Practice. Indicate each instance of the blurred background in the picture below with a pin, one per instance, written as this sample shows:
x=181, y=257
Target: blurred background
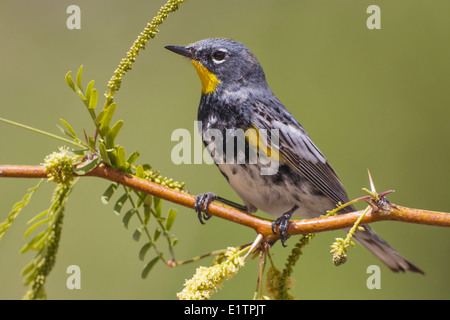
x=376, y=99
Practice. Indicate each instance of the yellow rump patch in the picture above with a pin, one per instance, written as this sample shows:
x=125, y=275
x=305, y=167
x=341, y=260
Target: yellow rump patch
x=259, y=142
x=208, y=79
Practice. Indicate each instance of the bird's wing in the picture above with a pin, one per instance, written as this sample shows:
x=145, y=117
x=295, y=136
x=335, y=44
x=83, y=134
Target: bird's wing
x=296, y=148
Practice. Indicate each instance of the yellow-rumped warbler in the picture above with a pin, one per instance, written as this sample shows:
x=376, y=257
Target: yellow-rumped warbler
x=235, y=96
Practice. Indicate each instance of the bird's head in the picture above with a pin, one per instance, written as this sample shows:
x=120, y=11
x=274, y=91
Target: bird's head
x=222, y=64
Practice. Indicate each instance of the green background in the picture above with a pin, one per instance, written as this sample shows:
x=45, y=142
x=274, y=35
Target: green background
x=376, y=99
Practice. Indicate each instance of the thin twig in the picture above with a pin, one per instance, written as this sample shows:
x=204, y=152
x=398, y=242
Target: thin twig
x=387, y=210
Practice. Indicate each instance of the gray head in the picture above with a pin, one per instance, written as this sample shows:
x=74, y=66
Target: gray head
x=222, y=64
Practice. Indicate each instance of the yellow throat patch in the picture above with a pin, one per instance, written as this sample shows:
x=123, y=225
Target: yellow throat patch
x=208, y=79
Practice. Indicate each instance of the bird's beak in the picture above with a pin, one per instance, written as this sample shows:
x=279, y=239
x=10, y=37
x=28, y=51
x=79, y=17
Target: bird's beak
x=181, y=51
x=208, y=79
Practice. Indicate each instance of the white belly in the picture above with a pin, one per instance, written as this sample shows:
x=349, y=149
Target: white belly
x=274, y=199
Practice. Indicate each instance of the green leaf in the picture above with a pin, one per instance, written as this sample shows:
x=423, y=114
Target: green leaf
x=17, y=208
x=137, y=233
x=31, y=275
x=127, y=216
x=104, y=153
x=82, y=152
x=35, y=243
x=64, y=132
x=148, y=200
x=149, y=267
x=156, y=234
x=115, y=130
x=91, y=165
x=139, y=171
x=93, y=99
x=77, y=89
x=121, y=161
x=113, y=157
x=28, y=268
x=80, y=94
x=69, y=81
x=91, y=142
x=34, y=226
x=106, y=121
x=89, y=88
x=67, y=125
x=37, y=217
x=99, y=118
x=79, y=74
x=109, y=192
x=119, y=203
x=109, y=142
x=147, y=208
x=170, y=218
x=144, y=250
x=157, y=206
x=40, y=241
x=133, y=157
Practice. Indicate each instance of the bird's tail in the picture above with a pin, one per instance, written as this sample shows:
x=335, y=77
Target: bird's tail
x=384, y=252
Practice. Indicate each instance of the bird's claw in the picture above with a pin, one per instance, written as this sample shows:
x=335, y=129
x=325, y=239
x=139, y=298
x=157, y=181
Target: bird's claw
x=201, y=205
x=282, y=225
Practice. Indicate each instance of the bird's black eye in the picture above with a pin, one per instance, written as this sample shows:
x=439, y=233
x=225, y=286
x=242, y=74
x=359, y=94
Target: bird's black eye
x=219, y=56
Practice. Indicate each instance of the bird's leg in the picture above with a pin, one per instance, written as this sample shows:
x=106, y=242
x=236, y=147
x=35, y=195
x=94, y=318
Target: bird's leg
x=282, y=224
x=203, y=200
x=235, y=205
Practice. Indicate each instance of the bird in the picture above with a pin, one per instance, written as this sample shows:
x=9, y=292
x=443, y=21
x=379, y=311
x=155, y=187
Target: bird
x=235, y=97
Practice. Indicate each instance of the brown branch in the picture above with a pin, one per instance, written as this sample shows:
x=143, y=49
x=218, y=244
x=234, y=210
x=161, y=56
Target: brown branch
x=384, y=209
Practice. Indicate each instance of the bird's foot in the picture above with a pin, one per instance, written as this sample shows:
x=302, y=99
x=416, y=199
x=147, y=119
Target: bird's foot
x=282, y=224
x=202, y=202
